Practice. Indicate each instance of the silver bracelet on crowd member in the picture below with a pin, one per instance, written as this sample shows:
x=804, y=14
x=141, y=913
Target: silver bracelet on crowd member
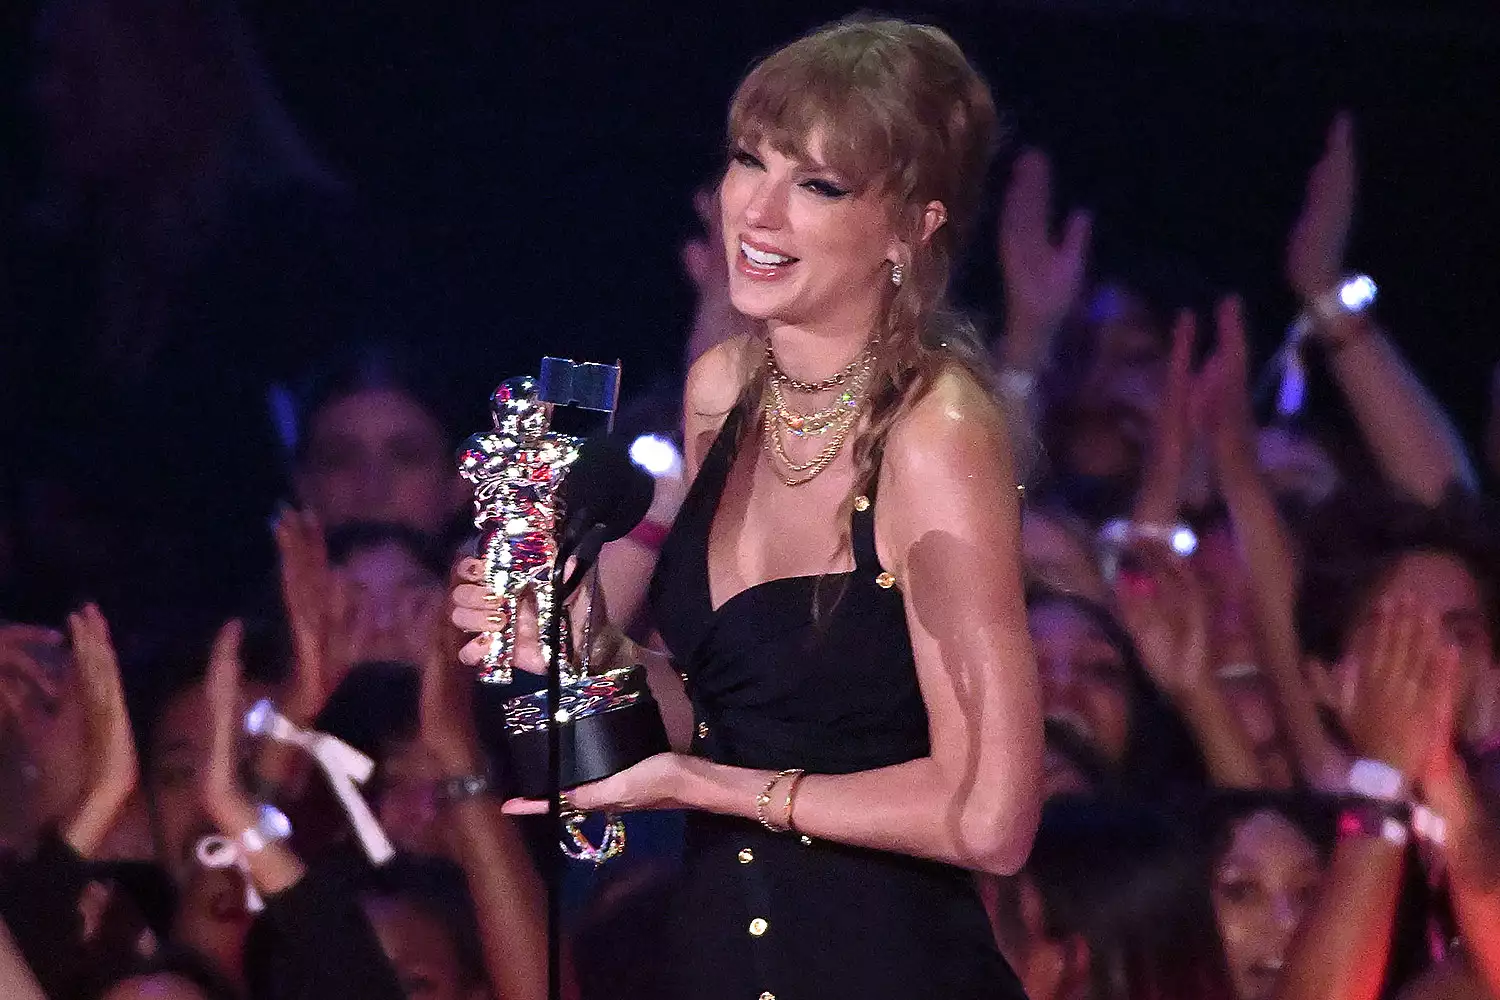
x=452, y=791
x=1354, y=295
x=1375, y=779
x=1382, y=785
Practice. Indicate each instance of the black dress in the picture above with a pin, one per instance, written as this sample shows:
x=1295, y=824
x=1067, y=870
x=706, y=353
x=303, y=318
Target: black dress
x=762, y=915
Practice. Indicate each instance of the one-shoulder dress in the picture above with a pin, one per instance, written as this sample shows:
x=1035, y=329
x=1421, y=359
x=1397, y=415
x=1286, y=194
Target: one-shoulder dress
x=763, y=916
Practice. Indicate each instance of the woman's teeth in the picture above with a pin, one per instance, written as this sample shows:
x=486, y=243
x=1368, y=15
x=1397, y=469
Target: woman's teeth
x=764, y=257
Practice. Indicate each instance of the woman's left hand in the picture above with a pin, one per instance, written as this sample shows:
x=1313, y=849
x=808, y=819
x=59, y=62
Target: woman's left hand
x=655, y=783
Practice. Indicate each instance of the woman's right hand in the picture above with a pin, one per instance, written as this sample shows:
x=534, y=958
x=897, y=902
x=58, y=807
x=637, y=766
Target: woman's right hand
x=475, y=609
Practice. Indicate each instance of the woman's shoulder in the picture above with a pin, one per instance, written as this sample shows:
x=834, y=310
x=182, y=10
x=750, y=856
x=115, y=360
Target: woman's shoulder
x=713, y=387
x=956, y=422
x=715, y=380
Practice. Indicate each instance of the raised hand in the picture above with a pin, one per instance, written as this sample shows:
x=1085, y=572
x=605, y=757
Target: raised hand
x=111, y=741
x=1043, y=279
x=1161, y=485
x=447, y=701
x=1315, y=248
x=1403, y=677
x=220, y=783
x=323, y=629
x=1220, y=406
x=114, y=769
x=1162, y=605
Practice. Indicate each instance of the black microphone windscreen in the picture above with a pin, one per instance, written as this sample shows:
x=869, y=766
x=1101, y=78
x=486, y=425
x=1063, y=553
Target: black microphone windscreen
x=605, y=486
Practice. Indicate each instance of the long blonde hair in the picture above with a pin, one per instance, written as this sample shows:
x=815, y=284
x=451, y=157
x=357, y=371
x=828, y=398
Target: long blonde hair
x=903, y=114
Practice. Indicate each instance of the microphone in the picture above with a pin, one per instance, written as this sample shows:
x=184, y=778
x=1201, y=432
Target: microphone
x=604, y=495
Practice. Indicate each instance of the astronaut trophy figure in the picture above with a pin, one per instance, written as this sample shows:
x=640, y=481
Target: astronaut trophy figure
x=515, y=471
x=594, y=723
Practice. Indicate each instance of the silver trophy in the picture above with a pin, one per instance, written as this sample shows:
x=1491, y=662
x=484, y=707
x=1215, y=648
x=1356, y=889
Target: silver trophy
x=606, y=721
x=515, y=471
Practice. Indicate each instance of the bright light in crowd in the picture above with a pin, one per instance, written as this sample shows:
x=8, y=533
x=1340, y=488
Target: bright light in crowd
x=656, y=455
x=1184, y=542
x=1358, y=292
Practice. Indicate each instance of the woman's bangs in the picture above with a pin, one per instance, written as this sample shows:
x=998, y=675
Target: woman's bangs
x=784, y=107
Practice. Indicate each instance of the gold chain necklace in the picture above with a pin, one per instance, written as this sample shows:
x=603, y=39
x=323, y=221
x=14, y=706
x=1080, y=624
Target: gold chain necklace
x=801, y=473
x=839, y=416
x=831, y=382
x=805, y=472
x=818, y=422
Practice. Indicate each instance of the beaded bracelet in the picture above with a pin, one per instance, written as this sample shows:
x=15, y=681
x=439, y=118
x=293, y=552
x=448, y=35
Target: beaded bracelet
x=791, y=801
x=764, y=799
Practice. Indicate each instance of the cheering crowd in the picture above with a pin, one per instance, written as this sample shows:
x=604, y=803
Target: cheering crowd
x=1266, y=629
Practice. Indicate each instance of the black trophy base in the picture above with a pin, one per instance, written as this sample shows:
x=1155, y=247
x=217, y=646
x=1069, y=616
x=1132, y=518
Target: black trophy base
x=593, y=746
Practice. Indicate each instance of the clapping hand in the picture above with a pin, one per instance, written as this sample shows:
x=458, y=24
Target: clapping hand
x=114, y=770
x=1043, y=278
x=1162, y=605
x=1403, y=672
x=319, y=616
x=1315, y=248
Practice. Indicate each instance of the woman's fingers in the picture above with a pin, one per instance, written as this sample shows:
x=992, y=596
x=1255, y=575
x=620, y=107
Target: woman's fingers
x=223, y=680
x=474, y=596
x=524, y=807
x=478, y=620
x=474, y=651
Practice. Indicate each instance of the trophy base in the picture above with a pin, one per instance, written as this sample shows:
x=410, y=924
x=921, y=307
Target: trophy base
x=611, y=722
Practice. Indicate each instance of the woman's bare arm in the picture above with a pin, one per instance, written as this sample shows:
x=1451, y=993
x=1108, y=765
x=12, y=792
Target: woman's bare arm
x=948, y=525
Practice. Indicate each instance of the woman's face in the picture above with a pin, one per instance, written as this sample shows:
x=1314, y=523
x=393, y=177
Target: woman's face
x=390, y=590
x=180, y=742
x=1111, y=378
x=803, y=248
x=419, y=948
x=376, y=455
x=1085, y=683
x=1261, y=887
x=1445, y=585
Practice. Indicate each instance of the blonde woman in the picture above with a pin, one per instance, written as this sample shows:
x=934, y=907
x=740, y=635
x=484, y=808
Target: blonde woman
x=841, y=590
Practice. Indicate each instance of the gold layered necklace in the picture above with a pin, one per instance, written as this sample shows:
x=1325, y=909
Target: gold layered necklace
x=836, y=419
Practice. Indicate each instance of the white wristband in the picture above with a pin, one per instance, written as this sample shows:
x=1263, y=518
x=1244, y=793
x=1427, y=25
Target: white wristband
x=1376, y=779
x=217, y=851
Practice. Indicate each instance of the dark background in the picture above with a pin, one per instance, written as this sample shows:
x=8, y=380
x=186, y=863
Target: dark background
x=534, y=163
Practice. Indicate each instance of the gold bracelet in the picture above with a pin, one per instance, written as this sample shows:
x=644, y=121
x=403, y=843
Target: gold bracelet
x=791, y=800
x=764, y=799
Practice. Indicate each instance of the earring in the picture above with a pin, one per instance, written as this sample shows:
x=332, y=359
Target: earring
x=898, y=273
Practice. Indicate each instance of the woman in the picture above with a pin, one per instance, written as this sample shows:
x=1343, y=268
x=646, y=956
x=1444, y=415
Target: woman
x=1095, y=685
x=880, y=646
x=1110, y=907
x=1269, y=854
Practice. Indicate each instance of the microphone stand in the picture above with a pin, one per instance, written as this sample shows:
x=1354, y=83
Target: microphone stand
x=554, y=788
x=562, y=587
